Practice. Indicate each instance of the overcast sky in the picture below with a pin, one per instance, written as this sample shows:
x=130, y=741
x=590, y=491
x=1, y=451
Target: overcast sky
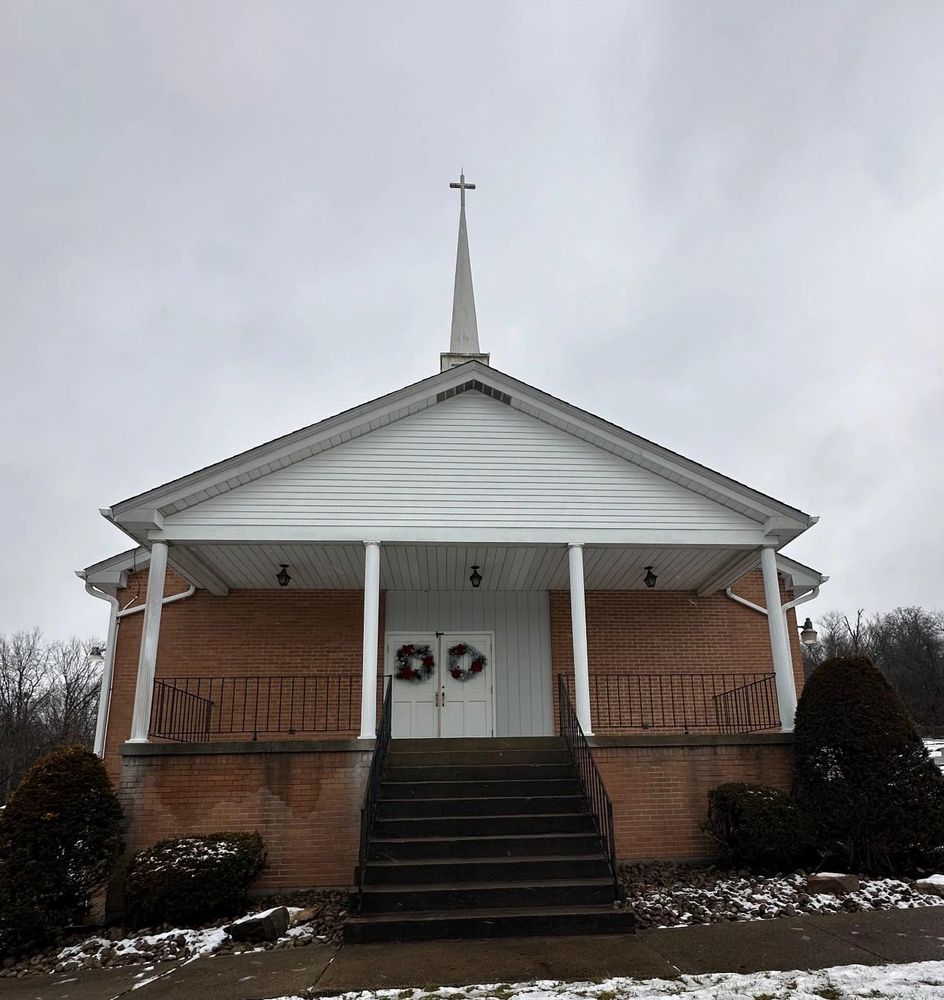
x=720, y=225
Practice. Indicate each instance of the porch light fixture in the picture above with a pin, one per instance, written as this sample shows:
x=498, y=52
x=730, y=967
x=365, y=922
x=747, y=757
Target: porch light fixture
x=808, y=634
x=96, y=654
x=282, y=575
x=476, y=578
x=650, y=578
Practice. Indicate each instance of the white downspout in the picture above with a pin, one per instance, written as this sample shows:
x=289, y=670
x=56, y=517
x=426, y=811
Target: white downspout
x=108, y=669
x=802, y=599
x=111, y=644
x=189, y=592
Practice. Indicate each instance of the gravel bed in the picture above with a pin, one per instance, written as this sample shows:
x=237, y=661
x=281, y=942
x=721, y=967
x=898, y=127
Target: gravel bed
x=674, y=895
x=324, y=914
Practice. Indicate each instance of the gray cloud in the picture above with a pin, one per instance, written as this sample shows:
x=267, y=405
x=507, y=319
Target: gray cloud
x=719, y=225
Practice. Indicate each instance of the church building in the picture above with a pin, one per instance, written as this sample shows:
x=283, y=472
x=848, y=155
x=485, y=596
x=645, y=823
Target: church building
x=467, y=704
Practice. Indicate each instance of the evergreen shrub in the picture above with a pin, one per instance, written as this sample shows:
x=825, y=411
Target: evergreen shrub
x=60, y=837
x=192, y=879
x=757, y=826
x=862, y=774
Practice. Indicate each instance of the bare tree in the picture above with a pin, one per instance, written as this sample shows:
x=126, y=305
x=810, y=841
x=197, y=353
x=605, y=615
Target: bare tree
x=48, y=698
x=906, y=644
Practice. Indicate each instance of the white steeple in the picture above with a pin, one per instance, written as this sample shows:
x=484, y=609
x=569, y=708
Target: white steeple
x=464, y=340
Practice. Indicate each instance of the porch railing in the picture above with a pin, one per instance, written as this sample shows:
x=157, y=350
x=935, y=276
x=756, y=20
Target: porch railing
x=179, y=715
x=593, y=788
x=197, y=709
x=750, y=708
x=372, y=792
x=683, y=702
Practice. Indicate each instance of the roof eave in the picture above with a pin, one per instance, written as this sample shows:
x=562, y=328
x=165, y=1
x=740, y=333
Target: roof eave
x=143, y=512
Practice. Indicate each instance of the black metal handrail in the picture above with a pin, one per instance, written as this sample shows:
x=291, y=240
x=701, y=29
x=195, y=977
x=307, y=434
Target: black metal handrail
x=257, y=706
x=593, y=788
x=372, y=792
x=179, y=715
x=749, y=708
x=669, y=701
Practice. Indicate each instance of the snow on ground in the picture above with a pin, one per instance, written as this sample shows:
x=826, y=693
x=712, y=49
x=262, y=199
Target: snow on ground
x=179, y=943
x=668, y=895
x=915, y=981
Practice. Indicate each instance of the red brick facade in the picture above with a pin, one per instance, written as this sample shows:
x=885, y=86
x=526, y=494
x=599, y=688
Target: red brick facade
x=669, y=632
x=258, y=632
x=660, y=793
x=306, y=802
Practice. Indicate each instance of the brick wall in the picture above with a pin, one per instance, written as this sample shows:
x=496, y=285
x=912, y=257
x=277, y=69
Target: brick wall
x=644, y=632
x=258, y=632
x=306, y=804
x=660, y=793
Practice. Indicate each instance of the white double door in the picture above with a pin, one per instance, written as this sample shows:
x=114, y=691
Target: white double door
x=441, y=705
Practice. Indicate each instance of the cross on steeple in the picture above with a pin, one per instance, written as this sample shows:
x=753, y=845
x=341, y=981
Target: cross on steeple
x=464, y=338
x=463, y=187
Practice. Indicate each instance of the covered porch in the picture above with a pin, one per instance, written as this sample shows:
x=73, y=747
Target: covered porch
x=649, y=639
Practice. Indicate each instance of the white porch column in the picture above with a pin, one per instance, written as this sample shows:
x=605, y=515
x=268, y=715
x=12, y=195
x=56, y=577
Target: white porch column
x=578, y=628
x=371, y=626
x=150, y=633
x=779, y=641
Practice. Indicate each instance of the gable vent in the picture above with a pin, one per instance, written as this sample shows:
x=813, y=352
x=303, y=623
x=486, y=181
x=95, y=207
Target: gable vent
x=474, y=384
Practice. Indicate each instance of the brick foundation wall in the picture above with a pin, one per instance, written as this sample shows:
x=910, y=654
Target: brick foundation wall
x=306, y=804
x=660, y=793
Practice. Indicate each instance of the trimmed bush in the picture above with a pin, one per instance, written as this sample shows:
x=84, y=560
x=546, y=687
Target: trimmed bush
x=191, y=879
x=862, y=775
x=60, y=836
x=756, y=826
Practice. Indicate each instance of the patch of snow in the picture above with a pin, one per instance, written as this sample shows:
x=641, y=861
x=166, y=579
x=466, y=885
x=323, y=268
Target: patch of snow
x=914, y=981
x=263, y=913
x=934, y=879
x=734, y=897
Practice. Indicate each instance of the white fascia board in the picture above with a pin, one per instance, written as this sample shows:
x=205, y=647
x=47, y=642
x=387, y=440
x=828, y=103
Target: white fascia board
x=307, y=441
x=126, y=561
x=286, y=534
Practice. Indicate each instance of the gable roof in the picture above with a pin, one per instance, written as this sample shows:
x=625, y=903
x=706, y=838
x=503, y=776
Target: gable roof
x=148, y=509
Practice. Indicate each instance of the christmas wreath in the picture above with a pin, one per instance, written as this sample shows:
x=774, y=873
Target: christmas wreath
x=414, y=663
x=476, y=661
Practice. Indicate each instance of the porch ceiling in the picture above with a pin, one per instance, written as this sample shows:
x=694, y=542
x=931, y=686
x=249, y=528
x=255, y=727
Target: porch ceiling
x=447, y=567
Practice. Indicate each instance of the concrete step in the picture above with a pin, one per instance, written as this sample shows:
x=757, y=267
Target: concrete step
x=486, y=824
x=478, y=789
x=484, y=869
x=511, y=805
x=474, y=895
x=474, y=744
x=501, y=771
x=510, y=846
x=489, y=923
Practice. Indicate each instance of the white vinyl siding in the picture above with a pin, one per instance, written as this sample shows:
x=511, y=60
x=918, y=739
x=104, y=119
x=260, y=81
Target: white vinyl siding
x=468, y=461
x=522, y=655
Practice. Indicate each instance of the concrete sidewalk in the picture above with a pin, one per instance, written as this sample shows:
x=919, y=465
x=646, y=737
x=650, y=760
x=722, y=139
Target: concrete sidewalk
x=754, y=946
